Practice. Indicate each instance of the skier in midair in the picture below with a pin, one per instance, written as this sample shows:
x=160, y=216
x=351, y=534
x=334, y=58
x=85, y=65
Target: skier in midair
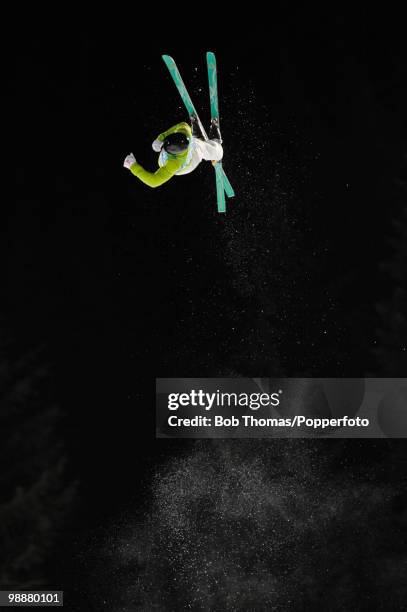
x=181, y=151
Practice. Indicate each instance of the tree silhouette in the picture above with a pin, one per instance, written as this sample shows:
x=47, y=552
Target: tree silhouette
x=391, y=352
x=36, y=493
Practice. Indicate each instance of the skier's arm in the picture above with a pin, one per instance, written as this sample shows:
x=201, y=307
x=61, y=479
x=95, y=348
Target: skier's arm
x=161, y=176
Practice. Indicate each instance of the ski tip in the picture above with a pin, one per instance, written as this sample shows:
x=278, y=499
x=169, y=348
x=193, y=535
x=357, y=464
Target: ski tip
x=167, y=58
x=210, y=55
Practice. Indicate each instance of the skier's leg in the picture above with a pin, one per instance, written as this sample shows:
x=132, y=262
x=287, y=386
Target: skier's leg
x=214, y=131
x=212, y=150
x=196, y=130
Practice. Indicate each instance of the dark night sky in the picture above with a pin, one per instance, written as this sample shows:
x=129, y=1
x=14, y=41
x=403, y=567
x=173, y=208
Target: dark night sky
x=123, y=284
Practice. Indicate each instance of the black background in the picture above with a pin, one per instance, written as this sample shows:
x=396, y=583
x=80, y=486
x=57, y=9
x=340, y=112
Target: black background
x=121, y=284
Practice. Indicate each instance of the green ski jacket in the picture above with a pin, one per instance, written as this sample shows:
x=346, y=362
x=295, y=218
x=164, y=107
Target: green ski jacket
x=172, y=165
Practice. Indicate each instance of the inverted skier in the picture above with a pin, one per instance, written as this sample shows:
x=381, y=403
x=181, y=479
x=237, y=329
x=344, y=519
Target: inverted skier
x=181, y=151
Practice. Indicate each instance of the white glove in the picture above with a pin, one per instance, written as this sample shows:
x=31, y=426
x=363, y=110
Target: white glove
x=157, y=145
x=129, y=161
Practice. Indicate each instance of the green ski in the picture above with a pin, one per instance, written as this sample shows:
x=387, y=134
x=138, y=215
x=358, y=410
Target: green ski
x=182, y=90
x=215, y=127
x=222, y=182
